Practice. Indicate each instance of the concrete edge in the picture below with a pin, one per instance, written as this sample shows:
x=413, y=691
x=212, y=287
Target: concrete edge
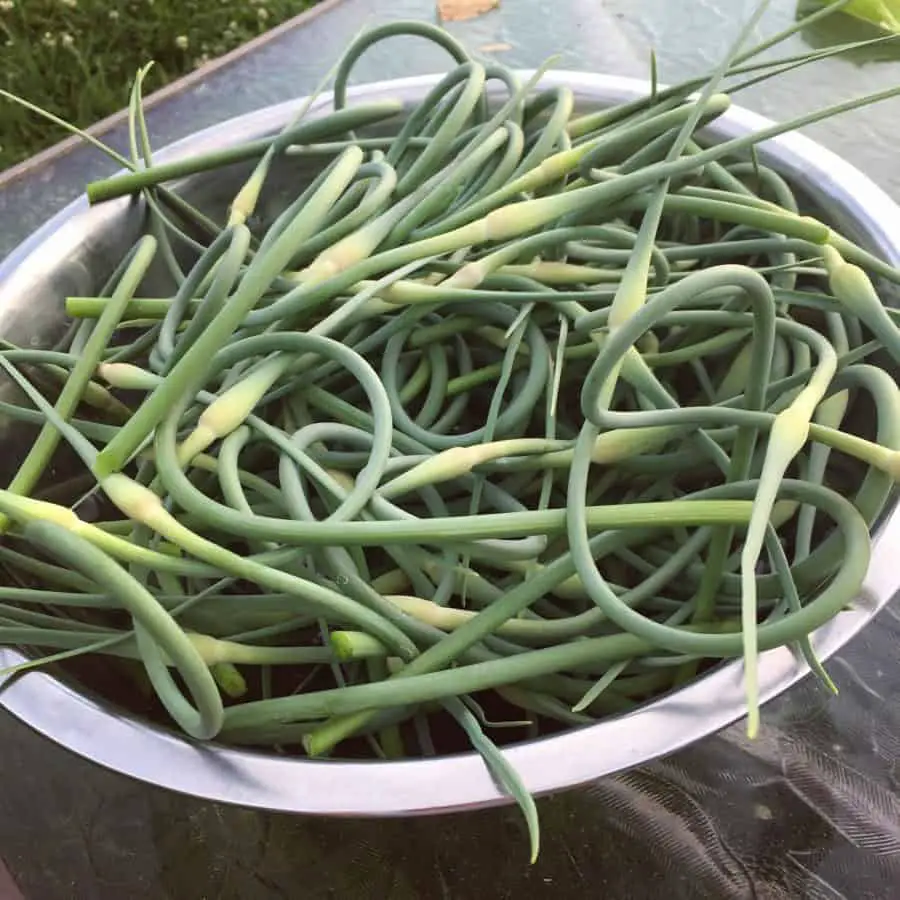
x=55, y=152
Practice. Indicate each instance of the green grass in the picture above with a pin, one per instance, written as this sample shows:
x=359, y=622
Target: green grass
x=77, y=58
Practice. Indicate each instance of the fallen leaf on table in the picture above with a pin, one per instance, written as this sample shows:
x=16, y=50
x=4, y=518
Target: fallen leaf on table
x=883, y=13
x=458, y=10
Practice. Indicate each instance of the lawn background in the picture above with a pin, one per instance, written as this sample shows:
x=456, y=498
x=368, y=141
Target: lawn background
x=77, y=58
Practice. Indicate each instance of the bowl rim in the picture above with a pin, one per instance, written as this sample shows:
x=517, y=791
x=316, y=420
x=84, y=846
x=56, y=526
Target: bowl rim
x=152, y=754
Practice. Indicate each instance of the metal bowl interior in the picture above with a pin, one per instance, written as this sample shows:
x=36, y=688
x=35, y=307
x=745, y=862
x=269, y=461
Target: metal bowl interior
x=72, y=255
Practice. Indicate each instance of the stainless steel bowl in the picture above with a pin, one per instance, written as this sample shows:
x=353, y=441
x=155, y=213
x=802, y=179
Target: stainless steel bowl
x=71, y=255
